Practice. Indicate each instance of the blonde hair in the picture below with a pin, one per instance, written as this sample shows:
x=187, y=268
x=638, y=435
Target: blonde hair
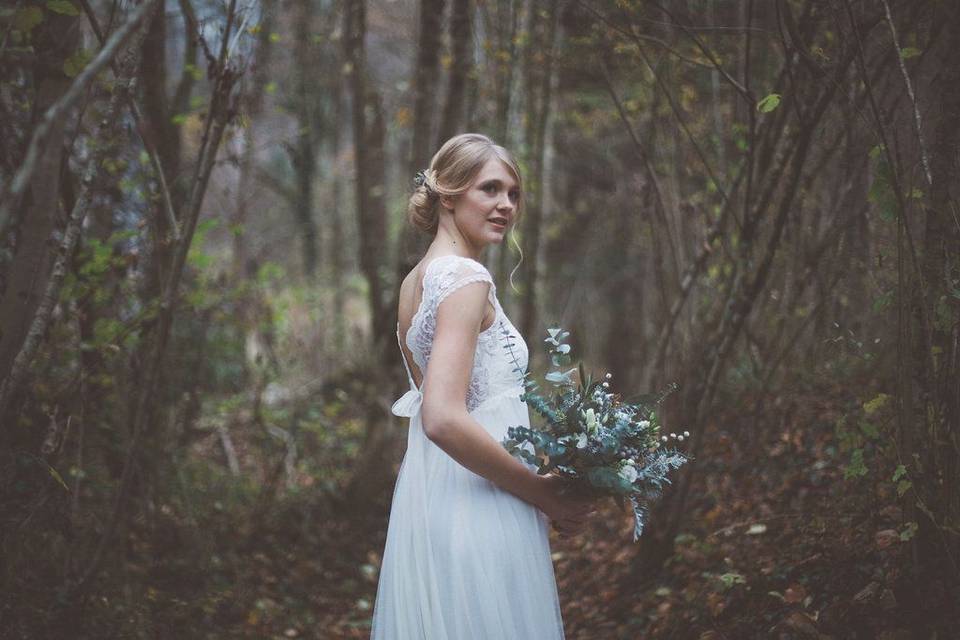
x=451, y=172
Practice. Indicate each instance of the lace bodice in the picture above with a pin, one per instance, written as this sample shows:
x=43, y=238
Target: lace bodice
x=497, y=346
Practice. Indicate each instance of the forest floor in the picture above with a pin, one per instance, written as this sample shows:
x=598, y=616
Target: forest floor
x=776, y=543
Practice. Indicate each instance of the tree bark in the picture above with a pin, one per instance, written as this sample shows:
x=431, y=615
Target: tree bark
x=303, y=153
x=538, y=113
x=24, y=281
x=939, y=386
x=461, y=20
x=253, y=106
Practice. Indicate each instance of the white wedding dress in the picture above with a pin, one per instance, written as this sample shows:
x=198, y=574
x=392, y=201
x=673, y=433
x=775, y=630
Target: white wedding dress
x=464, y=559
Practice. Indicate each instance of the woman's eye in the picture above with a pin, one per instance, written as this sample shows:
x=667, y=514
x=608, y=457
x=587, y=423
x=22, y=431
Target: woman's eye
x=514, y=195
x=489, y=187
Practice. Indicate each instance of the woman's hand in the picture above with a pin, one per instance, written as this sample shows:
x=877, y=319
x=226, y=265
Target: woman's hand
x=567, y=506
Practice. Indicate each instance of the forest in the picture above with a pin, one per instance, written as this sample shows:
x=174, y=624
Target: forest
x=203, y=232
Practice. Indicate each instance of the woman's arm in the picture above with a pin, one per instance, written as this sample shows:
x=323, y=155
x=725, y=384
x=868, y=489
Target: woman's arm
x=445, y=418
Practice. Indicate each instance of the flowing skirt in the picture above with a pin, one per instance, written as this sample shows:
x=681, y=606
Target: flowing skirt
x=464, y=559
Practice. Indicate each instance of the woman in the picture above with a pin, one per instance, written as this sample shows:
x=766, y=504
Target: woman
x=467, y=554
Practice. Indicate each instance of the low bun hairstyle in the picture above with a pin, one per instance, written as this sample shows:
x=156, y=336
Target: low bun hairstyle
x=451, y=172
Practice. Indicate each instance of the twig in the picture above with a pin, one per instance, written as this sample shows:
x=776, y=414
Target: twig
x=660, y=208
x=913, y=97
x=742, y=90
x=141, y=131
x=642, y=36
x=229, y=450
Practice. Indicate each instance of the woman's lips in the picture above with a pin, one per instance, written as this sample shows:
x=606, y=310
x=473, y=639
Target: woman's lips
x=498, y=225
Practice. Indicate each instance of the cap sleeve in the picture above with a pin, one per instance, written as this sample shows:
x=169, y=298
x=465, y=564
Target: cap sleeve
x=450, y=273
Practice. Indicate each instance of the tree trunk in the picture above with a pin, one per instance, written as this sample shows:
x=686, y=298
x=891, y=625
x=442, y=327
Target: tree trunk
x=538, y=113
x=461, y=20
x=254, y=106
x=23, y=282
x=412, y=243
x=369, y=153
x=938, y=407
x=303, y=155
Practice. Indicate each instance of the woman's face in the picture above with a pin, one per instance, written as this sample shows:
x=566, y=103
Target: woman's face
x=487, y=209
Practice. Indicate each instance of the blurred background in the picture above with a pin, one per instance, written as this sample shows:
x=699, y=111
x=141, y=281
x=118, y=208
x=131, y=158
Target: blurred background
x=203, y=233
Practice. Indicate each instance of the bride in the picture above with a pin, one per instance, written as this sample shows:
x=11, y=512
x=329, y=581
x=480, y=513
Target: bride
x=467, y=554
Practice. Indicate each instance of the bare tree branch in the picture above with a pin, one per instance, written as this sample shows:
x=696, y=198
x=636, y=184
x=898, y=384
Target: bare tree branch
x=913, y=98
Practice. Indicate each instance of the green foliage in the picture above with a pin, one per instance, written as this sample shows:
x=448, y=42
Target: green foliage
x=856, y=468
x=730, y=580
x=901, y=481
x=64, y=7
x=76, y=62
x=769, y=103
x=909, y=531
x=909, y=52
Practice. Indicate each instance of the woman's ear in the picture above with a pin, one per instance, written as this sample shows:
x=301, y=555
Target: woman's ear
x=447, y=203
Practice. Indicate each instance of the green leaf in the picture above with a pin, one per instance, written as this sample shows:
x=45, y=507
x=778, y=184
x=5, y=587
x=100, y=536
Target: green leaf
x=903, y=486
x=193, y=70
x=872, y=406
x=909, y=52
x=731, y=579
x=56, y=476
x=76, y=62
x=909, y=531
x=769, y=103
x=900, y=472
x=856, y=468
x=64, y=7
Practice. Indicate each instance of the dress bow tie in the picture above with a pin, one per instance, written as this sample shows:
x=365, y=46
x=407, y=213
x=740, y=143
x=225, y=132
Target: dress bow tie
x=408, y=404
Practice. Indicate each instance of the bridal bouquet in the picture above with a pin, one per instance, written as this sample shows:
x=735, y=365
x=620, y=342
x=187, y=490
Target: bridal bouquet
x=592, y=436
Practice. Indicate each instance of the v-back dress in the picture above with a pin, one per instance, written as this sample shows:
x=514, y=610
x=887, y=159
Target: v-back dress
x=464, y=559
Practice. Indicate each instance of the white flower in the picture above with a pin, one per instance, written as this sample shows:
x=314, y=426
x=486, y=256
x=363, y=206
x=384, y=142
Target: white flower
x=686, y=433
x=664, y=438
x=680, y=438
x=643, y=424
x=582, y=441
x=528, y=446
x=591, y=419
x=628, y=472
x=609, y=375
